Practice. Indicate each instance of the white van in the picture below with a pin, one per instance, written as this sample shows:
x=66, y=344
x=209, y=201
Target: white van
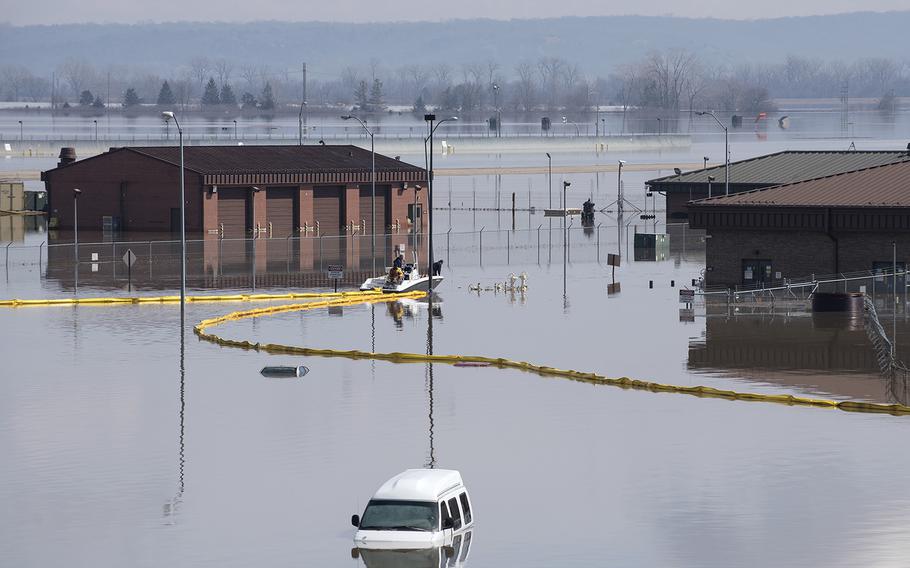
x=418, y=508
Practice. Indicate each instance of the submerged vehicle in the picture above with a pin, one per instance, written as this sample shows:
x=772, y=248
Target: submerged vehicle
x=418, y=508
x=404, y=279
x=454, y=556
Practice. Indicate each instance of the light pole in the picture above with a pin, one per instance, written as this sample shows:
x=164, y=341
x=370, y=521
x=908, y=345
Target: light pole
x=658, y=126
x=372, y=181
x=430, y=118
x=300, y=124
x=710, y=179
x=20, y=133
x=498, y=110
x=76, y=193
x=96, y=130
x=565, y=235
x=705, y=167
x=168, y=115
x=550, y=177
x=726, y=150
x=235, y=129
x=619, y=196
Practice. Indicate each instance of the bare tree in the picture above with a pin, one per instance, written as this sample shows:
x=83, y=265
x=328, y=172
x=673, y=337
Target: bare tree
x=78, y=74
x=200, y=67
x=250, y=73
x=525, y=88
x=223, y=69
x=550, y=69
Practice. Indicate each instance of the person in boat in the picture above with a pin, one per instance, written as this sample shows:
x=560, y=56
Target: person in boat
x=396, y=274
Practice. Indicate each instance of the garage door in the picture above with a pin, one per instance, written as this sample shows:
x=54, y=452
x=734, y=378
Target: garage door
x=328, y=209
x=233, y=212
x=281, y=206
x=382, y=208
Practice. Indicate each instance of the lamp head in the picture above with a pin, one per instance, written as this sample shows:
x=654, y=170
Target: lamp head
x=77, y=192
x=566, y=184
x=322, y=142
x=622, y=162
x=167, y=115
x=701, y=113
x=711, y=178
x=452, y=118
x=677, y=171
x=346, y=117
x=548, y=154
x=429, y=117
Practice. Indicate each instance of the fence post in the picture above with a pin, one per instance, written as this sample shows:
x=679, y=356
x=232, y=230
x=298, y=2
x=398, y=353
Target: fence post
x=254, y=264
x=508, y=249
x=598, y=242
x=481, y=245
x=538, y=244
x=40, y=254
x=448, y=239
x=320, y=251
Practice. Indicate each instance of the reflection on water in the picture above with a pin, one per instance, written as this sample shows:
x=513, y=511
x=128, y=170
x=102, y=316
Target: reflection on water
x=828, y=353
x=454, y=556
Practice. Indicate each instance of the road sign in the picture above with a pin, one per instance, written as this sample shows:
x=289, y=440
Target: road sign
x=686, y=296
x=335, y=275
x=613, y=260
x=129, y=258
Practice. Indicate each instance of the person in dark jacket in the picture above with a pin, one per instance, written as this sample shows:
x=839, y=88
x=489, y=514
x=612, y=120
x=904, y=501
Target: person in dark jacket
x=437, y=268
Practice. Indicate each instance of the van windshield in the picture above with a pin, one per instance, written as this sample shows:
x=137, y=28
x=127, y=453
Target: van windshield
x=389, y=515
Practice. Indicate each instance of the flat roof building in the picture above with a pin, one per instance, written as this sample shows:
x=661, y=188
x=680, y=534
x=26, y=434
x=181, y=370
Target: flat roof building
x=829, y=225
x=785, y=167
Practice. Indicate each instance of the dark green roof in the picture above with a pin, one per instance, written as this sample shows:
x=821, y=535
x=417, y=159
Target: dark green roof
x=789, y=166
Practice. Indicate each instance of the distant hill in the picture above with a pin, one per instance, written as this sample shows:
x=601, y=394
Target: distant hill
x=596, y=44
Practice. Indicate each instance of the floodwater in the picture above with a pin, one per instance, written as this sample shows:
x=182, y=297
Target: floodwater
x=127, y=441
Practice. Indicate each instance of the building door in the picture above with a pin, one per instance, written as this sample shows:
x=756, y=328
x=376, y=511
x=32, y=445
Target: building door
x=383, y=213
x=234, y=212
x=281, y=218
x=756, y=271
x=328, y=211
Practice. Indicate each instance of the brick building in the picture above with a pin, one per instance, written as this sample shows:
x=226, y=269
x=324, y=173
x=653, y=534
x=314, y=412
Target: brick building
x=834, y=224
x=763, y=171
x=235, y=190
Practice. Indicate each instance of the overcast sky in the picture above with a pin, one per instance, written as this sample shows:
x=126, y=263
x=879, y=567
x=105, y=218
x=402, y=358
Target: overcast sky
x=132, y=11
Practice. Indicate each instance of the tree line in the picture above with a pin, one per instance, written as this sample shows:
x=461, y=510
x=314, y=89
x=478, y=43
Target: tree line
x=668, y=80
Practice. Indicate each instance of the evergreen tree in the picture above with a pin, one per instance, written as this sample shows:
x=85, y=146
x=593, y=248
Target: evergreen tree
x=210, y=96
x=361, y=97
x=227, y=95
x=98, y=103
x=86, y=98
x=130, y=98
x=166, y=96
x=420, y=107
x=247, y=100
x=376, y=102
x=268, y=100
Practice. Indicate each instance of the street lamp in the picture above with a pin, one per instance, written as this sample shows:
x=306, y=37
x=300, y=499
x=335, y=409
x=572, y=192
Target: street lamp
x=300, y=124
x=710, y=179
x=20, y=133
x=76, y=193
x=498, y=110
x=658, y=126
x=550, y=177
x=235, y=129
x=372, y=180
x=96, y=130
x=168, y=115
x=430, y=118
x=619, y=196
x=726, y=150
x=565, y=235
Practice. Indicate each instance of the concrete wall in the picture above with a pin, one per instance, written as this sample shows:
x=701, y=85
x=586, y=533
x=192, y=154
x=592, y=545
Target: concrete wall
x=797, y=254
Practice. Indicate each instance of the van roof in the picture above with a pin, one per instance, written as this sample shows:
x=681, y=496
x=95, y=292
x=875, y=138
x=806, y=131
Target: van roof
x=420, y=485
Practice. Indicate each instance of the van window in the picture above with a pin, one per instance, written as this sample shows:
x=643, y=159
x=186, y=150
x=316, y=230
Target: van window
x=466, y=507
x=443, y=512
x=456, y=513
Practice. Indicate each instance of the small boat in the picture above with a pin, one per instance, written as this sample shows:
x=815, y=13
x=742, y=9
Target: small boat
x=411, y=280
x=281, y=372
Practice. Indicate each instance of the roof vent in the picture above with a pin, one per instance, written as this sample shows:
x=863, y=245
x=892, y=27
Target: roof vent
x=67, y=156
